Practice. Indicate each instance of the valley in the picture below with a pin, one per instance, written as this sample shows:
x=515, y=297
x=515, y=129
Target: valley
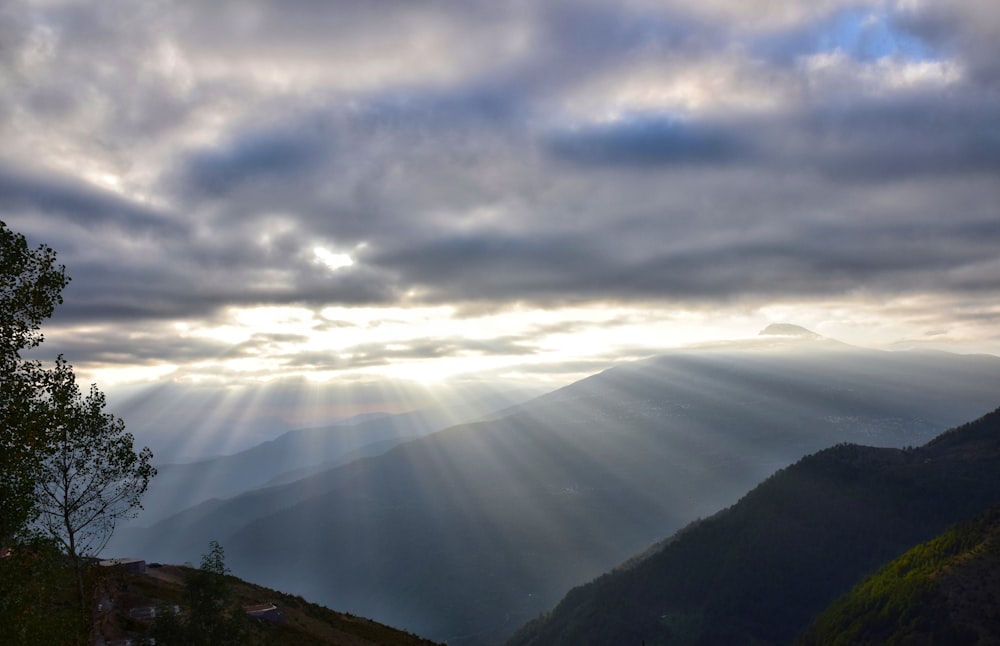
x=466, y=533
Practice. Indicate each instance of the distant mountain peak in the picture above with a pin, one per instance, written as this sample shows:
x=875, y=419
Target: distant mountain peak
x=788, y=329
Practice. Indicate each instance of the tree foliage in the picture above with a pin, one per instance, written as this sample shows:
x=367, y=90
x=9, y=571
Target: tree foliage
x=31, y=284
x=92, y=477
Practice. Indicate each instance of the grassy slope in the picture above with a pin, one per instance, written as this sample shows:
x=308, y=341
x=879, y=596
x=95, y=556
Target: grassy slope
x=304, y=623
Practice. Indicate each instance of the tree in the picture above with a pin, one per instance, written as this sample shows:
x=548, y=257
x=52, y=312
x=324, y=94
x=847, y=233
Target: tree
x=208, y=595
x=92, y=477
x=66, y=468
x=31, y=284
x=212, y=618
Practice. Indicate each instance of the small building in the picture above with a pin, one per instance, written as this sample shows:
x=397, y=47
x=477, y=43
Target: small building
x=136, y=566
x=265, y=611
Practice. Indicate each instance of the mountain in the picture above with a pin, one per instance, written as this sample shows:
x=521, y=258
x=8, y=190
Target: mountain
x=298, y=453
x=465, y=534
x=788, y=329
x=179, y=486
x=945, y=591
x=758, y=572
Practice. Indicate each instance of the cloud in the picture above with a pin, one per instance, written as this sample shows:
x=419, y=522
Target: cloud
x=645, y=141
x=379, y=354
x=68, y=199
x=969, y=29
x=261, y=158
x=864, y=33
x=488, y=156
x=146, y=345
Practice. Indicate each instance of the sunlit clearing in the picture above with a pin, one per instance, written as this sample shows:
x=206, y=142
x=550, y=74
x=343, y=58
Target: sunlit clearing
x=333, y=261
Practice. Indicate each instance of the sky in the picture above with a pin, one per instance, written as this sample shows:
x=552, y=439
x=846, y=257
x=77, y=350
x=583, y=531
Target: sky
x=259, y=196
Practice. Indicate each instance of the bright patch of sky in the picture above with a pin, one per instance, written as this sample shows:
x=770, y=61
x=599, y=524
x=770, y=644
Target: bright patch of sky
x=871, y=35
x=333, y=261
x=862, y=33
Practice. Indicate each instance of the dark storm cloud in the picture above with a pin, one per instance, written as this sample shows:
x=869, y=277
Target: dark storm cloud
x=969, y=29
x=254, y=27
x=648, y=141
x=816, y=260
x=493, y=262
x=872, y=140
x=584, y=38
x=170, y=292
x=892, y=140
x=146, y=346
x=262, y=156
x=70, y=200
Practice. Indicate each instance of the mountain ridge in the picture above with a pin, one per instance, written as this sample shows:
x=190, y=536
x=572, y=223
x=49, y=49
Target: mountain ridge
x=179, y=486
x=758, y=571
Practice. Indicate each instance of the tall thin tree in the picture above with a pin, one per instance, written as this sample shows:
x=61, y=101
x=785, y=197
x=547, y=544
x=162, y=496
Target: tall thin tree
x=93, y=477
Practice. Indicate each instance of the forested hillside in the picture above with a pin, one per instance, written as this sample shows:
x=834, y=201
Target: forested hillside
x=759, y=571
x=945, y=591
